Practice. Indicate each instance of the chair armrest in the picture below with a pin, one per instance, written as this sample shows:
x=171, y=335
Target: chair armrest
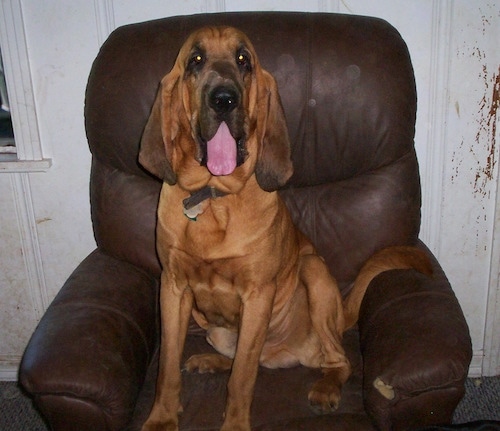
x=88, y=357
x=416, y=349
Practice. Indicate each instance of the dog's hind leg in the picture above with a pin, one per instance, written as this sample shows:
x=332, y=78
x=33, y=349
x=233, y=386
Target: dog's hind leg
x=224, y=341
x=327, y=320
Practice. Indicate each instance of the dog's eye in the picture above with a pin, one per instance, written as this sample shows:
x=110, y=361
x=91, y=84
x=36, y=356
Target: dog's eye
x=196, y=60
x=243, y=61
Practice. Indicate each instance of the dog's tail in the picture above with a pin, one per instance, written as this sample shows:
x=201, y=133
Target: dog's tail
x=398, y=257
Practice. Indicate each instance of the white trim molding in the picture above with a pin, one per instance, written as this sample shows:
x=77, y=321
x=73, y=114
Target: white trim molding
x=20, y=87
x=105, y=19
x=432, y=169
x=491, y=365
x=476, y=364
x=30, y=244
x=215, y=6
x=36, y=288
x=9, y=365
x=331, y=6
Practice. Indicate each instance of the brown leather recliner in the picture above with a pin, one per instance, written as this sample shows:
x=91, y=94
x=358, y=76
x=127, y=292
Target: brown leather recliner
x=348, y=91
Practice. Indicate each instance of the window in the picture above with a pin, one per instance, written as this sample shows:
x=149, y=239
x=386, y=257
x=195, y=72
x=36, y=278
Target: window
x=20, y=149
x=7, y=144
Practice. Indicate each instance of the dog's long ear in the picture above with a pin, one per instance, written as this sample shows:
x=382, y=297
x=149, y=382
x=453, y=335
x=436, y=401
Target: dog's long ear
x=155, y=153
x=274, y=165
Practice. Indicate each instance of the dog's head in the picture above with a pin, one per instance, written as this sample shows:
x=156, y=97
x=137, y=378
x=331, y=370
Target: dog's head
x=217, y=114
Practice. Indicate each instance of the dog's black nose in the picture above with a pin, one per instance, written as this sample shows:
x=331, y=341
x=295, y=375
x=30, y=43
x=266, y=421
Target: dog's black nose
x=223, y=99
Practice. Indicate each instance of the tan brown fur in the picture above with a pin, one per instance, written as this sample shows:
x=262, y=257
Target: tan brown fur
x=242, y=269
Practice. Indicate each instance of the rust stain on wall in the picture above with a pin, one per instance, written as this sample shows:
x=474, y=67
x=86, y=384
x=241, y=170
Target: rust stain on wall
x=487, y=132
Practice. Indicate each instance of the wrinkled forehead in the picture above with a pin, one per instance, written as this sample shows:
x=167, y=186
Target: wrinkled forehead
x=217, y=41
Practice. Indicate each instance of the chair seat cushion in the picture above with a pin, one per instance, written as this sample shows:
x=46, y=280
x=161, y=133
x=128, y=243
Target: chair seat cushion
x=280, y=399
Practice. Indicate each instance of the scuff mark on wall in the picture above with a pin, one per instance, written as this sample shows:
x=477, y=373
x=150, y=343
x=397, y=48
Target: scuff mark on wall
x=473, y=113
x=43, y=220
x=487, y=131
x=457, y=161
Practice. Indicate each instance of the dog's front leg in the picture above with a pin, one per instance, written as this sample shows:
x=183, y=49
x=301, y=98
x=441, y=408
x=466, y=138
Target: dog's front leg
x=175, y=304
x=256, y=314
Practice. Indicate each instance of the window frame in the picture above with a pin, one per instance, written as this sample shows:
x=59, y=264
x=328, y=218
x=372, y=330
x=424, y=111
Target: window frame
x=29, y=155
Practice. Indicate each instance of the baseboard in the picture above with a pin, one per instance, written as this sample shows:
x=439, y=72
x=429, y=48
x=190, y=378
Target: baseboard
x=9, y=366
x=476, y=364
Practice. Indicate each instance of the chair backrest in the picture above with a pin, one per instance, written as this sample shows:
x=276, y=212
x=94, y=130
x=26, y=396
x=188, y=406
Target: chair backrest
x=348, y=91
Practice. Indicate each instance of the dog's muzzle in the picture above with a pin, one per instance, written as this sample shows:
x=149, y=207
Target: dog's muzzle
x=225, y=150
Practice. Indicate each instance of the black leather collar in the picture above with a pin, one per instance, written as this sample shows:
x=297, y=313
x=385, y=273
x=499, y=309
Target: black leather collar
x=198, y=197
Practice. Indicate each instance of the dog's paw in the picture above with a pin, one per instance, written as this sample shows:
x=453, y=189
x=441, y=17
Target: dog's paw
x=324, y=396
x=161, y=419
x=235, y=424
x=208, y=363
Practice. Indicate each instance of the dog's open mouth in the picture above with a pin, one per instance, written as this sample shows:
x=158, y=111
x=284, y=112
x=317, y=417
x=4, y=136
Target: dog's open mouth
x=222, y=154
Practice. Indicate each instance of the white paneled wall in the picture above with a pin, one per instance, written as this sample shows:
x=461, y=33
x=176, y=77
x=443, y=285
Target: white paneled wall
x=45, y=218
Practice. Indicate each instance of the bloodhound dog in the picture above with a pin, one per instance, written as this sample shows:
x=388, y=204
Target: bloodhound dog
x=230, y=253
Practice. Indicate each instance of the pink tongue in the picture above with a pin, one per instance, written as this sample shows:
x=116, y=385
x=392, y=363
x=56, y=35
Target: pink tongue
x=221, y=152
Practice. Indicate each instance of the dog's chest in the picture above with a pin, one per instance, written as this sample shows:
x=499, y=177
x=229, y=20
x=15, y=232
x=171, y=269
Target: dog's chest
x=220, y=272
x=229, y=250
x=217, y=294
